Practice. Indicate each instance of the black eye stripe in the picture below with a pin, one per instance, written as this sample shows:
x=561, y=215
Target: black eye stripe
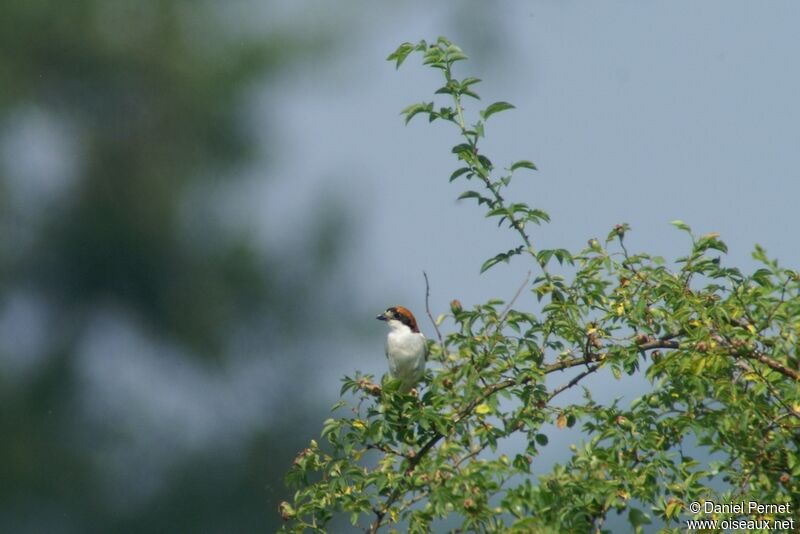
x=403, y=318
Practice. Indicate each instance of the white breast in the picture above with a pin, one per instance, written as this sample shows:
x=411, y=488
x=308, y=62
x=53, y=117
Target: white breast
x=406, y=354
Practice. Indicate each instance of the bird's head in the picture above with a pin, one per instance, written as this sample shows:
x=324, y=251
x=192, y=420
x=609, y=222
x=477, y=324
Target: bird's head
x=398, y=317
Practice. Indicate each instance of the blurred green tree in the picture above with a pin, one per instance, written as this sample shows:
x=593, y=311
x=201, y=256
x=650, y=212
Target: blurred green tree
x=120, y=123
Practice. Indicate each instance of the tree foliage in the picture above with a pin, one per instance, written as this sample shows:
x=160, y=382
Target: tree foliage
x=720, y=421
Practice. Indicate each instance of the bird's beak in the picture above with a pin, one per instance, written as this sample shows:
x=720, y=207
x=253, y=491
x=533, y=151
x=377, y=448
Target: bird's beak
x=381, y=317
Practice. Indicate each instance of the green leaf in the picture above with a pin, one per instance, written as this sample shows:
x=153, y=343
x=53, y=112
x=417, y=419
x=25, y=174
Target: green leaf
x=544, y=256
x=536, y=215
x=446, y=90
x=474, y=194
x=485, y=162
x=711, y=242
x=491, y=262
x=465, y=90
x=571, y=421
x=563, y=255
x=759, y=254
x=677, y=223
x=454, y=53
x=637, y=518
x=434, y=56
x=762, y=277
x=523, y=164
x=495, y=108
x=503, y=256
x=400, y=54
x=501, y=210
x=415, y=109
x=673, y=509
x=329, y=426
x=461, y=171
x=462, y=149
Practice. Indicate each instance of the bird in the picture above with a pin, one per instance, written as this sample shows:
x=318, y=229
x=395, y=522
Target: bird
x=406, y=348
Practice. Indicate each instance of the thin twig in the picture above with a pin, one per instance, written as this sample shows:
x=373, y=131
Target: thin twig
x=627, y=256
x=513, y=300
x=577, y=378
x=428, y=310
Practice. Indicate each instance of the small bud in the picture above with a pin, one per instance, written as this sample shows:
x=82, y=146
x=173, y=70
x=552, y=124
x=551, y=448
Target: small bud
x=469, y=504
x=701, y=346
x=301, y=456
x=374, y=390
x=785, y=478
x=447, y=383
x=619, y=230
x=641, y=339
x=655, y=355
x=286, y=511
x=561, y=421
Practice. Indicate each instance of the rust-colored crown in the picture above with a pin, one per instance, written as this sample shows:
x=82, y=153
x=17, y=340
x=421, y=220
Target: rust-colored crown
x=405, y=316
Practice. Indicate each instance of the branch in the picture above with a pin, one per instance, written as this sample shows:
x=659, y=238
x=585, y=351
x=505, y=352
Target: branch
x=775, y=365
x=668, y=342
x=412, y=464
x=577, y=378
x=662, y=343
x=428, y=310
